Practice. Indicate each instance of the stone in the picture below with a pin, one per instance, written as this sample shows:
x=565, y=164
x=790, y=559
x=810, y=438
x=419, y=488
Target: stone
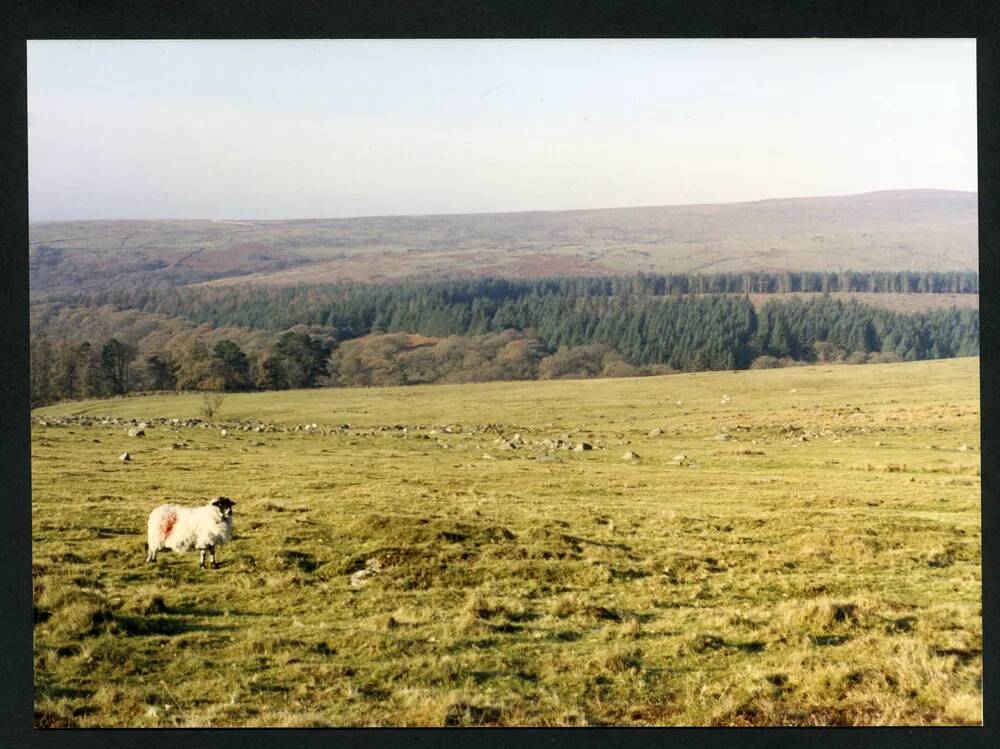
x=125, y=457
x=361, y=578
x=581, y=446
x=629, y=455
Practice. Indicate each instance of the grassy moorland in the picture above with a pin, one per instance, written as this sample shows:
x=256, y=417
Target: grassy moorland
x=888, y=230
x=804, y=551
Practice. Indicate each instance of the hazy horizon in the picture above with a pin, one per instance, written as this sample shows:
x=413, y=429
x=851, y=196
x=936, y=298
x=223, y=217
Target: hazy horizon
x=284, y=130
x=479, y=213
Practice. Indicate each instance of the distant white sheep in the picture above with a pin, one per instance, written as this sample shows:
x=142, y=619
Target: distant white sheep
x=184, y=528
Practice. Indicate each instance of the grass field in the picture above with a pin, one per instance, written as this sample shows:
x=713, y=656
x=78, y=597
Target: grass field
x=805, y=551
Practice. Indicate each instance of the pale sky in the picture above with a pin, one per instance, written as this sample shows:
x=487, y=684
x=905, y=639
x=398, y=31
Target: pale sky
x=326, y=129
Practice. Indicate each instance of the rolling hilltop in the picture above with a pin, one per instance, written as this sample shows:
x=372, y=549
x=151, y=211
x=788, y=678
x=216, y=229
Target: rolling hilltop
x=892, y=230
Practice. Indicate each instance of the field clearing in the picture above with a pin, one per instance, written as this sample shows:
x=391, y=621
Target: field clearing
x=805, y=551
x=902, y=302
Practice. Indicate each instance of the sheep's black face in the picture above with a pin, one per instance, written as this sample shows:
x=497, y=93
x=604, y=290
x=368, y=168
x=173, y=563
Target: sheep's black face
x=225, y=505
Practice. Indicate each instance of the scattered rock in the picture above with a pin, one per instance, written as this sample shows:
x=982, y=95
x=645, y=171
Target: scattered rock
x=655, y=432
x=361, y=578
x=581, y=446
x=224, y=432
x=722, y=437
x=679, y=458
x=629, y=455
x=136, y=432
x=125, y=457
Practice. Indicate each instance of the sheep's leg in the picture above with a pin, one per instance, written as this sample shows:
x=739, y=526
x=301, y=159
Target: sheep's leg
x=211, y=551
x=151, y=554
x=202, y=563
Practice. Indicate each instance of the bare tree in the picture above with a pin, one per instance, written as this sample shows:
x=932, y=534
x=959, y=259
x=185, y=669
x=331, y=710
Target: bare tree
x=211, y=403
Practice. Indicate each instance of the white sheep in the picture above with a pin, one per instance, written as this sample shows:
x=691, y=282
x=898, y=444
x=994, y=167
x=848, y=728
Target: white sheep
x=184, y=528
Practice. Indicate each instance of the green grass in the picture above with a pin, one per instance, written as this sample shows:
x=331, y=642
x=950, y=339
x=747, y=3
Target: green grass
x=821, y=566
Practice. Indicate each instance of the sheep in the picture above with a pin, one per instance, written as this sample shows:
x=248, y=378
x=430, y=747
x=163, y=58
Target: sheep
x=184, y=528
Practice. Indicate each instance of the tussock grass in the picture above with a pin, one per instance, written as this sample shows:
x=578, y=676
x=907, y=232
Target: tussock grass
x=736, y=589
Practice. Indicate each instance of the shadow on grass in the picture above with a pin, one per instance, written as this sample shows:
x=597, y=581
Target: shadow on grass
x=481, y=677
x=627, y=574
x=755, y=646
x=565, y=635
x=963, y=654
x=57, y=693
x=174, y=623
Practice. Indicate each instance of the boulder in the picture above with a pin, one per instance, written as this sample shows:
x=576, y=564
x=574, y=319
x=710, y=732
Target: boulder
x=361, y=578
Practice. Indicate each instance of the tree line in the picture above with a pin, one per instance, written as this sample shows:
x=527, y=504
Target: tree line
x=455, y=335
x=62, y=368
x=357, y=308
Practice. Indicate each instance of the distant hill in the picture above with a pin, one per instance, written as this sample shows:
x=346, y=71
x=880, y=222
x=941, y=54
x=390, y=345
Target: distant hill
x=891, y=230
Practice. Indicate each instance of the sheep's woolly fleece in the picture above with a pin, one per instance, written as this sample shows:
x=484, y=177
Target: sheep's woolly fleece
x=182, y=529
